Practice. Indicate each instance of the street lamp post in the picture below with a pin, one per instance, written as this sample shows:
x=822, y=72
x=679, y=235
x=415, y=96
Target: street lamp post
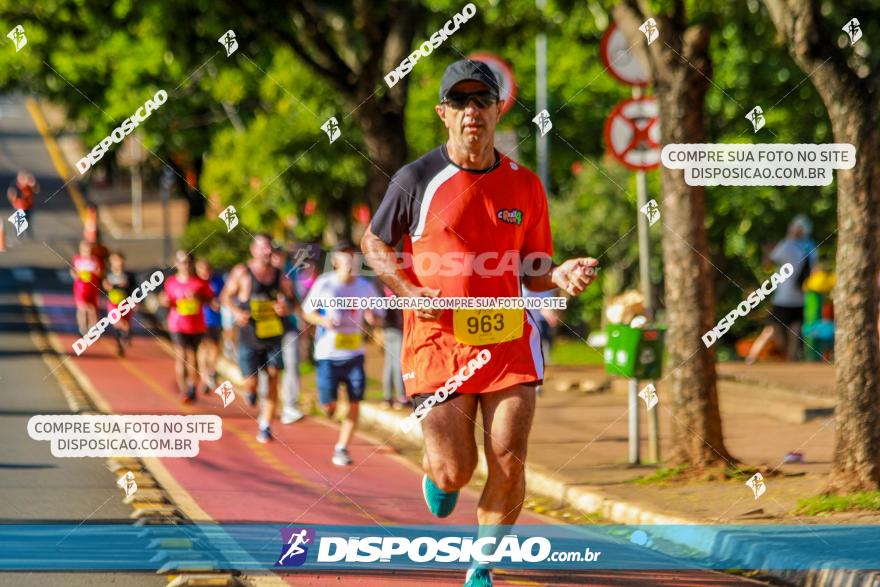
x=543, y=145
x=165, y=193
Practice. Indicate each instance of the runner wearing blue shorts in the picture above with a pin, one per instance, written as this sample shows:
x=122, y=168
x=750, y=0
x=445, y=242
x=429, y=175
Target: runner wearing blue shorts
x=339, y=340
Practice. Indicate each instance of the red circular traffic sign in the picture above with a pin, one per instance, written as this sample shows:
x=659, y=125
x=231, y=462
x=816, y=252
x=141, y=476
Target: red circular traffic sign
x=632, y=133
x=620, y=61
x=504, y=73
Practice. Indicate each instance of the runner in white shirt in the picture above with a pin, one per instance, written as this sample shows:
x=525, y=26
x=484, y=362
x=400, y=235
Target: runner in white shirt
x=339, y=341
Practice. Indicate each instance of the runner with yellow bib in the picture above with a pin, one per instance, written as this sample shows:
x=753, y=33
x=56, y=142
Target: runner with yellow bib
x=184, y=296
x=260, y=297
x=118, y=284
x=339, y=341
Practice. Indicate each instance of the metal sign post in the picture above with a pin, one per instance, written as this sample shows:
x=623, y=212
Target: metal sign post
x=165, y=184
x=645, y=278
x=632, y=135
x=633, y=408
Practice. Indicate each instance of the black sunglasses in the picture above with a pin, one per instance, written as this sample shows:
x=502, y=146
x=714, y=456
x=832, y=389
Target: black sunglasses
x=460, y=101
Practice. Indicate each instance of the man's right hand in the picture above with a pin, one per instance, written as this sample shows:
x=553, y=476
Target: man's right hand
x=424, y=292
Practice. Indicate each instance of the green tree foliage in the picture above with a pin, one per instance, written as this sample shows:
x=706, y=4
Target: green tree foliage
x=102, y=55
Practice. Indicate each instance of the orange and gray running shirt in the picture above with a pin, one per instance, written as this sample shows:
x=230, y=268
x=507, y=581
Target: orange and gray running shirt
x=466, y=232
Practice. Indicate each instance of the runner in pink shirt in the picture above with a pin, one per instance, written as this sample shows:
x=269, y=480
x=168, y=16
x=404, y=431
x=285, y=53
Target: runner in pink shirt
x=184, y=295
x=86, y=269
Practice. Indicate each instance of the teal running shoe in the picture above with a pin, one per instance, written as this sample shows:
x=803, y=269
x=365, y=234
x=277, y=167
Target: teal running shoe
x=479, y=577
x=441, y=503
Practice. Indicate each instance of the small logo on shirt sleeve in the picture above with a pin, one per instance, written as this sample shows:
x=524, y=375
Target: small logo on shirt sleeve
x=513, y=216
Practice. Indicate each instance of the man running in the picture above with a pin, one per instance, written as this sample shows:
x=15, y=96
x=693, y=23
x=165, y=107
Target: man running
x=260, y=297
x=339, y=341
x=466, y=200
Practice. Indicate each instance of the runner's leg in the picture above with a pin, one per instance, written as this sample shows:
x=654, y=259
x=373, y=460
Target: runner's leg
x=507, y=419
x=180, y=367
x=355, y=385
x=349, y=424
x=271, y=398
x=249, y=363
x=450, y=447
x=193, y=363
x=82, y=321
x=290, y=379
x=91, y=314
x=327, y=381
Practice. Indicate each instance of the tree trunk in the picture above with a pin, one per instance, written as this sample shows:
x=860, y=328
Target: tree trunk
x=856, y=465
x=680, y=68
x=853, y=110
x=385, y=140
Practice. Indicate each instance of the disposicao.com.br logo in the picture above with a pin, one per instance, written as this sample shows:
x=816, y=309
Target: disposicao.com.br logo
x=509, y=548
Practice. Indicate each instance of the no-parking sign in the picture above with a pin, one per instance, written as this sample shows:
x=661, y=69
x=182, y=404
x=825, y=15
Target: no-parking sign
x=504, y=75
x=632, y=133
x=620, y=61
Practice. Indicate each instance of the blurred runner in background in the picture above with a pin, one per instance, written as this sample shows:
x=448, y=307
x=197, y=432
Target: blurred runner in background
x=260, y=297
x=546, y=319
x=119, y=283
x=185, y=295
x=290, y=384
x=210, y=346
x=86, y=270
x=392, y=341
x=21, y=195
x=303, y=281
x=339, y=341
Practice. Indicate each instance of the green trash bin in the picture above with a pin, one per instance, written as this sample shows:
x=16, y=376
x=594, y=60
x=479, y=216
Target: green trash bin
x=634, y=352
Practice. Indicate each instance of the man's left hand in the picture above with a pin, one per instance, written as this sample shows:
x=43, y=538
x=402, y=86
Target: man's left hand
x=574, y=275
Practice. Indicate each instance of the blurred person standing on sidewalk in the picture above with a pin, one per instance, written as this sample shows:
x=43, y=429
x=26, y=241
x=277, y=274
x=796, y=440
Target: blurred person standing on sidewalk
x=210, y=347
x=787, y=309
x=185, y=294
x=260, y=297
x=303, y=281
x=392, y=341
x=21, y=195
x=87, y=271
x=339, y=341
x=290, y=381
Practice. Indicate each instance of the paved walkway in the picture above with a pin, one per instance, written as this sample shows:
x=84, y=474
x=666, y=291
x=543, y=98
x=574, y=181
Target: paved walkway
x=807, y=378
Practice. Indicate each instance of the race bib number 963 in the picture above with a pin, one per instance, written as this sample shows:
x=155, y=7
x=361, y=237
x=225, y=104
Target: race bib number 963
x=481, y=327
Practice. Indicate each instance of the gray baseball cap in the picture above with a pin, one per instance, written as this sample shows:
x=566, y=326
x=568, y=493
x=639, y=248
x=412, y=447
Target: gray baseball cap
x=467, y=70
